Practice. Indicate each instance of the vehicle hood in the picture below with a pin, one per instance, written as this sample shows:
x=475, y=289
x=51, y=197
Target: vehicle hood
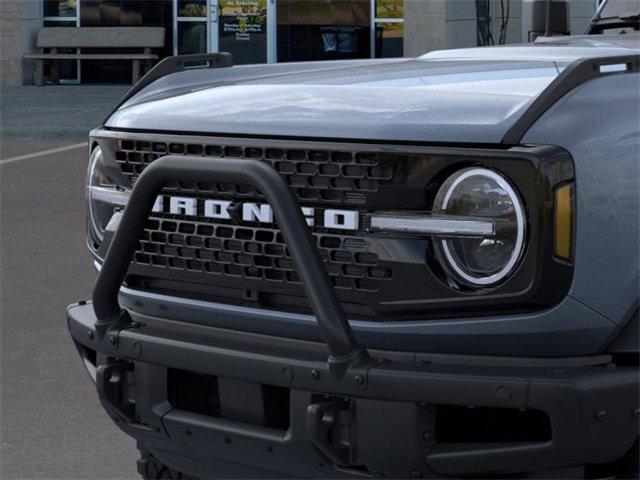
x=468, y=95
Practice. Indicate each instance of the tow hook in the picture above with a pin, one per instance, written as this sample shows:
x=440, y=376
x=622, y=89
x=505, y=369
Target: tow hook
x=110, y=381
x=330, y=424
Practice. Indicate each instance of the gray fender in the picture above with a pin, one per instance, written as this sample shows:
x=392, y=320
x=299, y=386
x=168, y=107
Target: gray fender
x=599, y=124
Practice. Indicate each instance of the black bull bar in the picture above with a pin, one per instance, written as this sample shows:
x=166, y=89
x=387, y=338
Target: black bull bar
x=341, y=343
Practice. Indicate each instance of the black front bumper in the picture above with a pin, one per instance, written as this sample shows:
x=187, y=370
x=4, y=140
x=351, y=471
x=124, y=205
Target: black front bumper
x=380, y=418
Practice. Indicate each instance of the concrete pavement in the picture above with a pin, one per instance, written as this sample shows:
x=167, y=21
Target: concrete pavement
x=55, y=114
x=51, y=423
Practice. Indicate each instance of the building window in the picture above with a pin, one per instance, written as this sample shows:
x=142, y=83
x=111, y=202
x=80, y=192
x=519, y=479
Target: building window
x=122, y=13
x=192, y=37
x=59, y=9
x=190, y=26
x=63, y=13
x=387, y=30
x=192, y=8
x=389, y=9
x=389, y=39
x=323, y=29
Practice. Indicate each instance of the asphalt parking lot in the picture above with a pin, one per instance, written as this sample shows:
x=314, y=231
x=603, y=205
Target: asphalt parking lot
x=51, y=423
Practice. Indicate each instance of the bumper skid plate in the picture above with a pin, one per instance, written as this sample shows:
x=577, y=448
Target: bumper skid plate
x=381, y=418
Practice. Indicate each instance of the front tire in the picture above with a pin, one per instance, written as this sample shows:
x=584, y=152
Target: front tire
x=630, y=464
x=152, y=469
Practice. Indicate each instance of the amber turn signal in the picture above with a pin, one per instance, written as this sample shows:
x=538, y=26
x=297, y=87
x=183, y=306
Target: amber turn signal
x=563, y=222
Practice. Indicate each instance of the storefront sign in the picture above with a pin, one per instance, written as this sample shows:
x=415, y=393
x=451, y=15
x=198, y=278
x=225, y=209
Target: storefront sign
x=243, y=18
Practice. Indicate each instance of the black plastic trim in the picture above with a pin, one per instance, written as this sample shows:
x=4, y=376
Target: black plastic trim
x=289, y=138
x=590, y=406
x=575, y=74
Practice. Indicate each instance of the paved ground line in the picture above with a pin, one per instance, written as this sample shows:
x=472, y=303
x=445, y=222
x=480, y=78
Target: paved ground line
x=42, y=153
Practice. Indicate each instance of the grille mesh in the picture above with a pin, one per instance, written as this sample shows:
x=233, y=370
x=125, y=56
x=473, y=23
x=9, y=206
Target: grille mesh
x=256, y=253
x=220, y=248
x=327, y=176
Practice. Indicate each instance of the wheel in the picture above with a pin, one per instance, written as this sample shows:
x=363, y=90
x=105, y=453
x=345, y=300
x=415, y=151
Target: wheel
x=630, y=464
x=626, y=468
x=151, y=469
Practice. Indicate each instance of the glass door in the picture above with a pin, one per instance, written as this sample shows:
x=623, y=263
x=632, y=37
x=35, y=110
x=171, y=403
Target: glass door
x=387, y=29
x=191, y=33
x=243, y=30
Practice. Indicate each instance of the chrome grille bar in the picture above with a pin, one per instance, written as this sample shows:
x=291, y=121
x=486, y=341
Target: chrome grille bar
x=436, y=225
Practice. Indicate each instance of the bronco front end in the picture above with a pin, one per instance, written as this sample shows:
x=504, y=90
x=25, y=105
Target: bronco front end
x=420, y=268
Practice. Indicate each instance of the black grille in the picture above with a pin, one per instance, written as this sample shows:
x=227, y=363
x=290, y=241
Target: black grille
x=254, y=253
x=219, y=249
x=377, y=276
x=314, y=175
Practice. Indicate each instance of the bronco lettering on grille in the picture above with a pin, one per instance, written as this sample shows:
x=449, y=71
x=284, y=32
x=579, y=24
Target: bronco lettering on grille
x=250, y=212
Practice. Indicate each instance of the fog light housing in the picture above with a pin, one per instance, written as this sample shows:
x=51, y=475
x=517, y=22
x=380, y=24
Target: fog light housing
x=483, y=260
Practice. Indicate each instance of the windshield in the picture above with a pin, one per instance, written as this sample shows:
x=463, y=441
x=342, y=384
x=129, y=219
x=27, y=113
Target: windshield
x=619, y=8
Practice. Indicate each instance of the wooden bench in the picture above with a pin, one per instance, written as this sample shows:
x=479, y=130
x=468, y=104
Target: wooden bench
x=56, y=38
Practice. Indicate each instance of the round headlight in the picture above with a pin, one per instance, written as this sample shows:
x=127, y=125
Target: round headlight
x=481, y=193
x=103, y=195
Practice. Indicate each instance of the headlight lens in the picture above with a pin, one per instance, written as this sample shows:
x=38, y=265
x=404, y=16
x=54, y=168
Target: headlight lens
x=103, y=195
x=480, y=192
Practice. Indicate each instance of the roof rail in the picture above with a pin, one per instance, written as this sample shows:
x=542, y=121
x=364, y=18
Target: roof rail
x=575, y=74
x=177, y=64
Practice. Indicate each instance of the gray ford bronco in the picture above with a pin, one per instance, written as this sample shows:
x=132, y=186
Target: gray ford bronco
x=408, y=268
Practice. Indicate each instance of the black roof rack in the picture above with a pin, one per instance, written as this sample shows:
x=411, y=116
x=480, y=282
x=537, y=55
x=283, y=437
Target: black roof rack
x=176, y=64
x=575, y=74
